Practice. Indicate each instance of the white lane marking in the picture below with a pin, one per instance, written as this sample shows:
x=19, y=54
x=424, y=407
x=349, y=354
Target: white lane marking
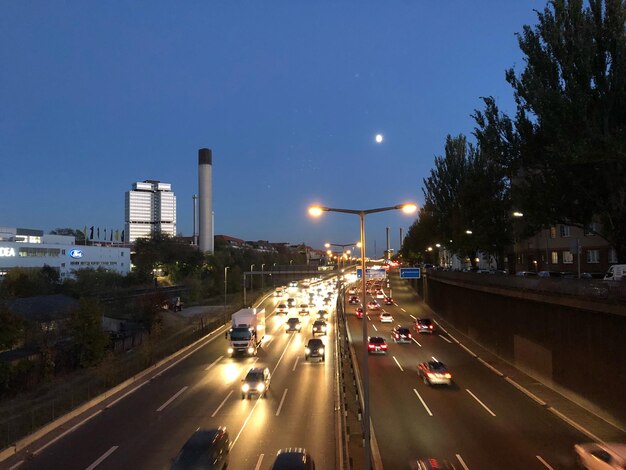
x=525, y=391
x=483, y=405
x=412, y=317
x=453, y=338
x=295, y=363
x=268, y=342
x=396, y=304
x=221, y=404
x=394, y=358
x=283, y=354
x=214, y=362
x=468, y=350
x=63, y=434
x=104, y=456
x=458, y=456
x=423, y=402
x=445, y=339
x=258, y=463
x=16, y=465
x=375, y=327
x=416, y=342
x=575, y=425
x=544, y=462
x=281, y=402
x=403, y=310
x=176, y=395
x=486, y=364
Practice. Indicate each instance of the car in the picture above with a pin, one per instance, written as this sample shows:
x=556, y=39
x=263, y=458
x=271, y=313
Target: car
x=314, y=348
x=256, y=382
x=311, y=306
x=293, y=459
x=526, y=273
x=609, y=456
x=319, y=327
x=388, y=301
x=373, y=305
x=434, y=373
x=376, y=345
x=282, y=308
x=327, y=301
x=432, y=464
x=380, y=294
x=352, y=291
x=293, y=324
x=385, y=317
x=401, y=334
x=304, y=309
x=291, y=302
x=353, y=299
x=424, y=325
x=205, y=449
x=322, y=314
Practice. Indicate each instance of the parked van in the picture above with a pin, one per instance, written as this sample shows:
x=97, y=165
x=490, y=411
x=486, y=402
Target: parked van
x=615, y=273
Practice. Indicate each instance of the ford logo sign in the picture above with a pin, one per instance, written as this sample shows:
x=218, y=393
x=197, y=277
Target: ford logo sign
x=76, y=253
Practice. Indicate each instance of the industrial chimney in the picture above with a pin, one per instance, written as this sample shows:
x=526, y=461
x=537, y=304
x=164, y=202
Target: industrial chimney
x=205, y=190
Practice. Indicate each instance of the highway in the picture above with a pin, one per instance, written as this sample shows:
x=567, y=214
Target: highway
x=146, y=429
x=480, y=422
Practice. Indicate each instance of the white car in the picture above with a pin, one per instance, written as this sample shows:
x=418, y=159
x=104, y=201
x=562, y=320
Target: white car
x=609, y=456
x=385, y=317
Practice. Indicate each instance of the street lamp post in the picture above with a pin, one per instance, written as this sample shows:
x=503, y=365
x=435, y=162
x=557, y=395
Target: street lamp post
x=316, y=211
x=262, y=277
x=251, y=276
x=225, y=289
x=328, y=245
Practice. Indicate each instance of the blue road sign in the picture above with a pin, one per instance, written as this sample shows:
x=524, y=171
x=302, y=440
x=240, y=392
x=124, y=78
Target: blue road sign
x=371, y=273
x=410, y=273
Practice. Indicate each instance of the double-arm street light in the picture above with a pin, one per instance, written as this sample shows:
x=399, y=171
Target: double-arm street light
x=328, y=245
x=316, y=211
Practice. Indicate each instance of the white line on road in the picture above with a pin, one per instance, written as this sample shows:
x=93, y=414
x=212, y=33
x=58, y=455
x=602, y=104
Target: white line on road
x=415, y=341
x=403, y=310
x=281, y=402
x=453, y=338
x=295, y=363
x=258, y=462
x=104, y=456
x=423, y=402
x=468, y=350
x=483, y=405
x=214, y=362
x=544, y=462
x=445, y=339
x=525, y=391
x=485, y=363
x=268, y=342
x=458, y=456
x=222, y=404
x=375, y=327
x=394, y=358
x=162, y=407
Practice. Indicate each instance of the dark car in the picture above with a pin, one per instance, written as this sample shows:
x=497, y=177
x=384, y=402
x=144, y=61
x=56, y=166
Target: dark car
x=424, y=325
x=319, y=327
x=293, y=324
x=434, y=373
x=315, y=348
x=293, y=459
x=205, y=449
x=388, y=301
x=432, y=464
x=358, y=312
x=376, y=345
x=353, y=300
x=257, y=382
x=401, y=334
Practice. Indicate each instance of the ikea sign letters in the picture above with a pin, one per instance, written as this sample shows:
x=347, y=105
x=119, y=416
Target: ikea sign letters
x=75, y=253
x=6, y=251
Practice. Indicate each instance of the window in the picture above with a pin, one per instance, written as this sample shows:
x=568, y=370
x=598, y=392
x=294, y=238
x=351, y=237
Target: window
x=593, y=256
x=612, y=256
x=555, y=257
x=553, y=232
x=564, y=230
x=568, y=257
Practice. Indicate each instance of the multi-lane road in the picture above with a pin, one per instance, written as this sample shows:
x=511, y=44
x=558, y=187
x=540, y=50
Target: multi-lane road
x=147, y=428
x=480, y=422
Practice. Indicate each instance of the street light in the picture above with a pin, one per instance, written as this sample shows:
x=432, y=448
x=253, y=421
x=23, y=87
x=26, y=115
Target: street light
x=251, y=276
x=316, y=211
x=342, y=245
x=262, y=277
x=225, y=289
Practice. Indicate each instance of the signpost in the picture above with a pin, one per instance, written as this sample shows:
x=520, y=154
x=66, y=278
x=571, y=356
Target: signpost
x=371, y=273
x=410, y=273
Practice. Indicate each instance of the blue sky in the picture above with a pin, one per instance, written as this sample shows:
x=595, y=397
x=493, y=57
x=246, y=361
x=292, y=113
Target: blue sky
x=288, y=94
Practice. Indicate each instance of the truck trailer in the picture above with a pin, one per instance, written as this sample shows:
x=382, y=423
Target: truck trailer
x=246, y=332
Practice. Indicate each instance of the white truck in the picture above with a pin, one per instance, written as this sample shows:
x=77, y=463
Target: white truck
x=246, y=332
x=616, y=273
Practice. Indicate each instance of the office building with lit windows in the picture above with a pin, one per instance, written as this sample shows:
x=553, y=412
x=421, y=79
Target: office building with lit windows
x=150, y=208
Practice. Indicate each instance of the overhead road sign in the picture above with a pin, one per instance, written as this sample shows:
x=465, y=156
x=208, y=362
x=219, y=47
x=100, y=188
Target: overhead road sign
x=410, y=273
x=371, y=273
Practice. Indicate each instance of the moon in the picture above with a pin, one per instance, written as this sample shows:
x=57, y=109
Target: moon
x=379, y=138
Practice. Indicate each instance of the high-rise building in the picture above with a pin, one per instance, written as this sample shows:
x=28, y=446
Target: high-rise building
x=150, y=208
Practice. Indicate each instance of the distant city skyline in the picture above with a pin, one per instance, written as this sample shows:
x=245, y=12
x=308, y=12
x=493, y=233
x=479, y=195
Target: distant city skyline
x=290, y=98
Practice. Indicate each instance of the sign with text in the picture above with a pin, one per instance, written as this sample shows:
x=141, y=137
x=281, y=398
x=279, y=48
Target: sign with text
x=371, y=273
x=410, y=273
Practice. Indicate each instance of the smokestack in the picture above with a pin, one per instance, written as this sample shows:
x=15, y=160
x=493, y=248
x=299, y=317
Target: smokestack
x=195, y=215
x=205, y=190
x=388, y=247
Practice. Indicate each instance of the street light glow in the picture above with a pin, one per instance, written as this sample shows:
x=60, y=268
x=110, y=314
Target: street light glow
x=518, y=214
x=315, y=211
x=379, y=138
x=409, y=208
x=469, y=232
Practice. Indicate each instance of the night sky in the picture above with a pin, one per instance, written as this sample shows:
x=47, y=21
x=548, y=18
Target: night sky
x=288, y=94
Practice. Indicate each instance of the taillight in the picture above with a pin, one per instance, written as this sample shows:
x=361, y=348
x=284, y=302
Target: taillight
x=384, y=346
x=430, y=326
x=409, y=335
x=448, y=375
x=370, y=346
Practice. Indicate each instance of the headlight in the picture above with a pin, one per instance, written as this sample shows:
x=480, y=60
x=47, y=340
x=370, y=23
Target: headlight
x=230, y=350
x=298, y=327
x=321, y=350
x=260, y=387
x=250, y=350
x=307, y=351
x=245, y=388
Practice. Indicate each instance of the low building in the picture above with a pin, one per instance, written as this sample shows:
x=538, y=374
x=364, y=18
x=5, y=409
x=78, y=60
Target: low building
x=28, y=248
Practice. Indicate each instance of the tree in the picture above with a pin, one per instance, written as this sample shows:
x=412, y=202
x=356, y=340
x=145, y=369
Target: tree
x=571, y=118
x=88, y=340
x=12, y=329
